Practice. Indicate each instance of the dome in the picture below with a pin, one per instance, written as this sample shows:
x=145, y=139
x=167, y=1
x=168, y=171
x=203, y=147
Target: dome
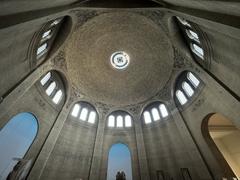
x=119, y=89
x=89, y=51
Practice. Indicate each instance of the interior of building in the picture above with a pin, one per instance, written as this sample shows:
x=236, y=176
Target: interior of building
x=120, y=89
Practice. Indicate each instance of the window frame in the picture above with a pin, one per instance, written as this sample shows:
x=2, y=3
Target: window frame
x=148, y=109
x=89, y=107
x=116, y=114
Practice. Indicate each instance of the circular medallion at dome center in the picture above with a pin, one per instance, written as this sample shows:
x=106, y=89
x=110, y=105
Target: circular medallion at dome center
x=119, y=58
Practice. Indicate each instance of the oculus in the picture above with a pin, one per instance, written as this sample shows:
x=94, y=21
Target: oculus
x=120, y=60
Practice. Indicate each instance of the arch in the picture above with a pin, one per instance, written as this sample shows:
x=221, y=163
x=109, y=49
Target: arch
x=49, y=38
x=153, y=112
x=119, y=119
x=197, y=41
x=16, y=137
x=186, y=87
x=119, y=159
x=223, y=136
x=85, y=112
x=53, y=85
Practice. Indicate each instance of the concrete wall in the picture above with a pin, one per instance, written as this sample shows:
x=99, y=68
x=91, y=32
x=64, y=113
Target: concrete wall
x=225, y=52
x=15, y=6
x=32, y=101
x=14, y=49
x=127, y=137
x=230, y=149
x=168, y=151
x=72, y=154
x=213, y=98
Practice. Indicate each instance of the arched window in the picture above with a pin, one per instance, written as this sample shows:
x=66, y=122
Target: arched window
x=183, y=22
x=46, y=38
x=197, y=50
x=128, y=121
x=192, y=38
x=84, y=112
x=119, y=119
x=181, y=97
x=111, y=121
x=154, y=112
x=119, y=159
x=187, y=84
x=192, y=35
x=16, y=138
x=53, y=86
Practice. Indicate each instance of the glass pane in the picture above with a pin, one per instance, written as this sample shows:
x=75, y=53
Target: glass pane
x=92, y=117
x=119, y=121
x=84, y=114
x=188, y=89
x=163, y=110
x=128, y=121
x=75, y=110
x=155, y=114
x=51, y=88
x=41, y=48
x=111, y=121
x=193, y=79
x=47, y=33
x=56, y=99
x=183, y=22
x=147, y=117
x=55, y=22
x=181, y=97
x=46, y=78
x=192, y=35
x=197, y=50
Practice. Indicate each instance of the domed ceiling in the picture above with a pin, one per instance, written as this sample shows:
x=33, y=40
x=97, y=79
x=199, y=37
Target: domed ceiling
x=90, y=48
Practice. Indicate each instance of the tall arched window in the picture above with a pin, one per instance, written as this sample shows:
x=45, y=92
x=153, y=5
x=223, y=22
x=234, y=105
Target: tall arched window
x=119, y=159
x=196, y=40
x=119, y=119
x=85, y=112
x=46, y=39
x=186, y=86
x=53, y=86
x=154, y=112
x=16, y=138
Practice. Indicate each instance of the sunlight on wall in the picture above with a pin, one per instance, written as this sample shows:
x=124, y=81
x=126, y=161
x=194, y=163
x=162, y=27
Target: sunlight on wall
x=226, y=137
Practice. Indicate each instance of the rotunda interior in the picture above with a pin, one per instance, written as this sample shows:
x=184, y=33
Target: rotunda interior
x=119, y=90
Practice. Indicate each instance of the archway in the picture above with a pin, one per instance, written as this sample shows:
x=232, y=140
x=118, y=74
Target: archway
x=223, y=138
x=16, y=138
x=119, y=159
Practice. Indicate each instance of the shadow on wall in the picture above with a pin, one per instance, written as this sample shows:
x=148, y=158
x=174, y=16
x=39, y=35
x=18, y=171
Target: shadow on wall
x=223, y=137
x=119, y=159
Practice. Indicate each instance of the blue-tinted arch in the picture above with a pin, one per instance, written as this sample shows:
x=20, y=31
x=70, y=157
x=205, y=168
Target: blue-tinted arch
x=119, y=159
x=16, y=138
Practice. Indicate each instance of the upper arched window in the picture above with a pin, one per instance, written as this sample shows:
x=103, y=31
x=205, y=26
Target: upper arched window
x=46, y=39
x=54, y=87
x=186, y=86
x=154, y=112
x=16, y=138
x=119, y=119
x=85, y=112
x=192, y=37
